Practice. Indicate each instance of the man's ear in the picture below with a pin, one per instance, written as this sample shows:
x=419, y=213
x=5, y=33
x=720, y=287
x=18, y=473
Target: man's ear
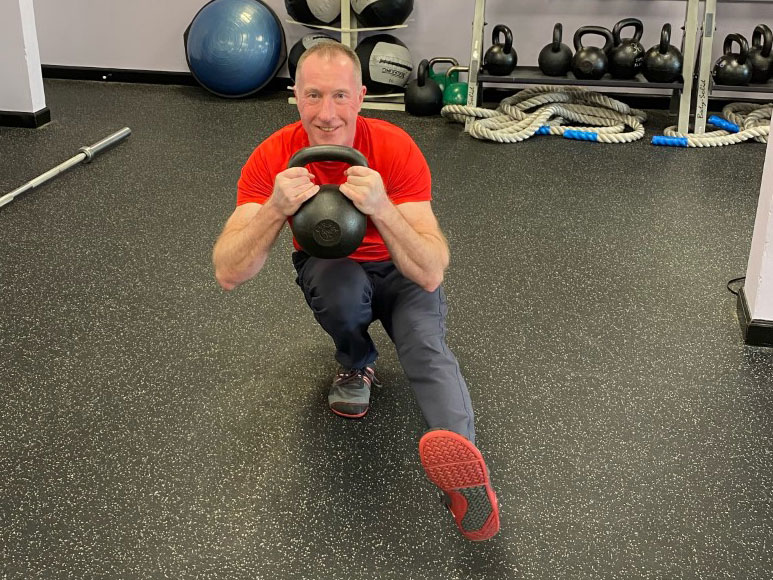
x=361, y=97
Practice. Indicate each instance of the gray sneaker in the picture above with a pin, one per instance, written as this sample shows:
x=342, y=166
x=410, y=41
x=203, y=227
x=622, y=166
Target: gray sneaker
x=349, y=394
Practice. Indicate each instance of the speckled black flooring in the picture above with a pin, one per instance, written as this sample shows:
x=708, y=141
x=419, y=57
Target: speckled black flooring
x=153, y=426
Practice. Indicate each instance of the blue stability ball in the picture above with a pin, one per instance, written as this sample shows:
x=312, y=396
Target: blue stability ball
x=235, y=47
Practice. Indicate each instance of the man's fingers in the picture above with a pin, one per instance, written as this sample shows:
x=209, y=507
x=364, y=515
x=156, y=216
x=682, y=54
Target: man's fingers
x=311, y=192
x=299, y=182
x=297, y=172
x=358, y=170
x=357, y=180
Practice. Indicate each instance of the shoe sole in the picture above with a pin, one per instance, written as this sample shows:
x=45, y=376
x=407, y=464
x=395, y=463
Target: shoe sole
x=456, y=466
x=348, y=416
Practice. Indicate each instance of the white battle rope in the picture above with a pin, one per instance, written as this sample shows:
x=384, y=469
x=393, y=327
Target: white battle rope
x=544, y=110
x=741, y=122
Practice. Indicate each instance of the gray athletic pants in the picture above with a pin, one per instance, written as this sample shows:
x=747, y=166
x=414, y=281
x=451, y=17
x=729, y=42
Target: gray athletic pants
x=346, y=296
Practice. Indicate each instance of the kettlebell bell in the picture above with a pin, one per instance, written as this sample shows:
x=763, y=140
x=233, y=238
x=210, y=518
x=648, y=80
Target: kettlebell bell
x=556, y=58
x=733, y=68
x=423, y=96
x=663, y=62
x=455, y=93
x=626, y=58
x=440, y=77
x=328, y=225
x=500, y=59
x=760, y=58
x=590, y=62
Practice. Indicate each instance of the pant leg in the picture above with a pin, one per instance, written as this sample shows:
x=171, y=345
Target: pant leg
x=339, y=294
x=415, y=321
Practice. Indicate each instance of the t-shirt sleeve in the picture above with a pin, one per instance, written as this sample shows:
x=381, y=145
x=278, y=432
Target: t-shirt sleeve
x=256, y=181
x=409, y=178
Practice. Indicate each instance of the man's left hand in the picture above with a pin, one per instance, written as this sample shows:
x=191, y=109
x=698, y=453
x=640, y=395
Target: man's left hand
x=365, y=188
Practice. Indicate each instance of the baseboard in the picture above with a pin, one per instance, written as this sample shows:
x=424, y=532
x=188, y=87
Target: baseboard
x=26, y=120
x=755, y=332
x=152, y=77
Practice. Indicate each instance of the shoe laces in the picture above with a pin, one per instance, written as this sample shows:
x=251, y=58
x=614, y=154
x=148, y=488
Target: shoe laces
x=348, y=376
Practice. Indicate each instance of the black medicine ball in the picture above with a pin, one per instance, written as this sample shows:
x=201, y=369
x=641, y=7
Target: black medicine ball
x=386, y=63
x=302, y=46
x=314, y=11
x=374, y=13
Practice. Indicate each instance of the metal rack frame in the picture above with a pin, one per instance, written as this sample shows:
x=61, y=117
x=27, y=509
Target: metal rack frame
x=706, y=84
x=531, y=75
x=349, y=31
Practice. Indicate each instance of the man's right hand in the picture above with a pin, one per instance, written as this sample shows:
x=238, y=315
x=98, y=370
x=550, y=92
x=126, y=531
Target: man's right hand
x=291, y=188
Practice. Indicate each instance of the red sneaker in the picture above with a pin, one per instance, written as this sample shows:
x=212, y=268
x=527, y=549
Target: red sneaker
x=456, y=466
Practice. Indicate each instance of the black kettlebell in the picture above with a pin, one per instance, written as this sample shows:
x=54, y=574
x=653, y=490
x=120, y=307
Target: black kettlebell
x=663, y=62
x=328, y=225
x=626, y=58
x=590, y=62
x=733, y=68
x=759, y=54
x=423, y=95
x=500, y=59
x=556, y=58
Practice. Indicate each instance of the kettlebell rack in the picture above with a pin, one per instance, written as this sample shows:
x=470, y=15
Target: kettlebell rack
x=349, y=32
x=706, y=86
x=530, y=75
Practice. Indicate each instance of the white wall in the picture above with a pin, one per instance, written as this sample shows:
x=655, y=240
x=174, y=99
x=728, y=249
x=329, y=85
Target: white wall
x=758, y=287
x=147, y=34
x=21, y=89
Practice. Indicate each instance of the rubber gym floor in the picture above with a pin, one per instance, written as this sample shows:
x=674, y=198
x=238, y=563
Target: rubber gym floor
x=154, y=426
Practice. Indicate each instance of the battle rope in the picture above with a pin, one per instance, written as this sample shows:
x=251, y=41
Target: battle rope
x=543, y=110
x=742, y=122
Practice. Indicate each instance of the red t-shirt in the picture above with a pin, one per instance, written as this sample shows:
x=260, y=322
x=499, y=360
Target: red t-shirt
x=388, y=149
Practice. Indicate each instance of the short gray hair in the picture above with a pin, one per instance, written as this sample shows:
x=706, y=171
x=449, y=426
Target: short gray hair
x=328, y=49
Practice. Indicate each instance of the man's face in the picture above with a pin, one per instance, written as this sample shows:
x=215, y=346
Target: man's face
x=329, y=99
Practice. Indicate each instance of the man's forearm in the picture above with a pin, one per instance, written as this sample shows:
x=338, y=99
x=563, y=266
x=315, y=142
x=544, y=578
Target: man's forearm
x=420, y=257
x=240, y=254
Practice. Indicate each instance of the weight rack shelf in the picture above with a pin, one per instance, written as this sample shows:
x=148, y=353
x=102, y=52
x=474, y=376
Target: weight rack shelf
x=750, y=88
x=532, y=75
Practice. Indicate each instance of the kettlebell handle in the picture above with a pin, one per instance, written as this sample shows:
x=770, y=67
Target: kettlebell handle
x=743, y=45
x=600, y=30
x=456, y=68
x=327, y=153
x=443, y=59
x=625, y=23
x=558, y=31
x=422, y=74
x=665, y=38
x=762, y=38
x=502, y=29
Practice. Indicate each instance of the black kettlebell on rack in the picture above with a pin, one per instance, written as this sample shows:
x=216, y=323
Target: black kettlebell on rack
x=500, y=59
x=663, y=62
x=759, y=54
x=590, y=62
x=733, y=68
x=626, y=58
x=328, y=225
x=423, y=95
x=555, y=59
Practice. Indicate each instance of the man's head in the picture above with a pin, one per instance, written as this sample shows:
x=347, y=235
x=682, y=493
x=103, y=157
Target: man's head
x=329, y=91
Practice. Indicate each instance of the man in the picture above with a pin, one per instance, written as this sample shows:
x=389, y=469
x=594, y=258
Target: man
x=394, y=276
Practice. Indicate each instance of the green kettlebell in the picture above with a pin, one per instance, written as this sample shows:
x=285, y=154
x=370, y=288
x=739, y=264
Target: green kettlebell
x=440, y=77
x=455, y=93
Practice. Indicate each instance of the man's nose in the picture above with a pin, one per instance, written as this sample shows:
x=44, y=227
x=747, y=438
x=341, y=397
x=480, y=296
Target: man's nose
x=327, y=110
